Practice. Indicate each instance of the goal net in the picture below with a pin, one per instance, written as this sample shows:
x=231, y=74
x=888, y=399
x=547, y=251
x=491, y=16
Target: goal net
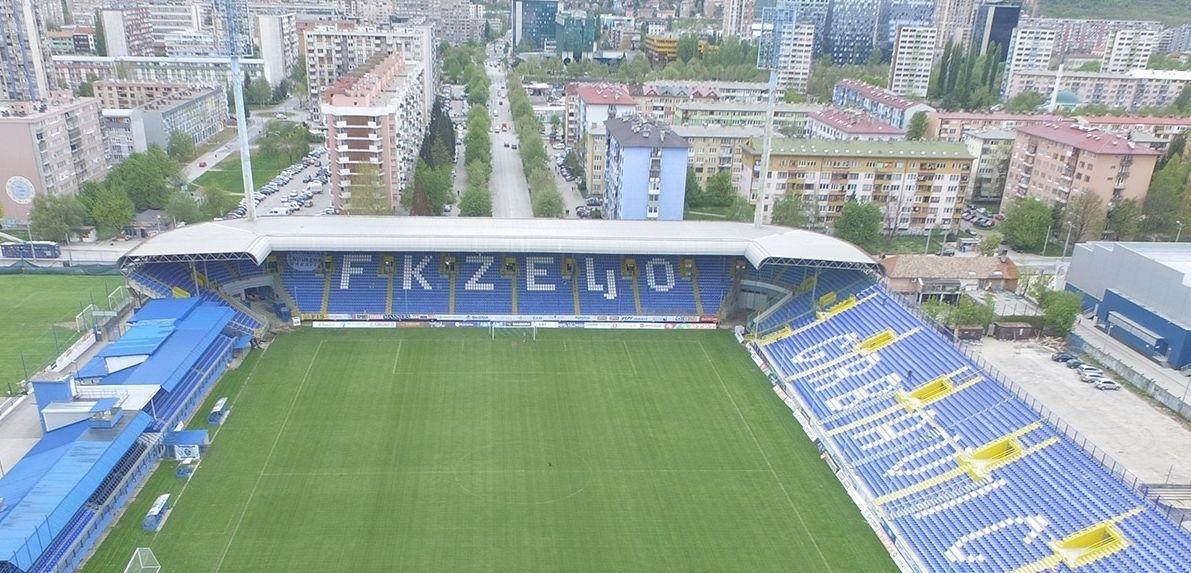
x=143, y=561
x=513, y=331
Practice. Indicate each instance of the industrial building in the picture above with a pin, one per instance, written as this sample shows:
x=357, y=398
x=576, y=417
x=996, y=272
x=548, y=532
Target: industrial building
x=1140, y=293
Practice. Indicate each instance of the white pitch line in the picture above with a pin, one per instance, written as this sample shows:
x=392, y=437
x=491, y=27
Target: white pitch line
x=269, y=457
x=630, y=357
x=397, y=356
x=765, y=456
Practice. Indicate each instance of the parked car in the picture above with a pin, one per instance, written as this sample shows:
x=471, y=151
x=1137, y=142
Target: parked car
x=1107, y=385
x=1091, y=377
x=1088, y=368
x=1074, y=363
x=1062, y=356
x=202, y=164
x=592, y=202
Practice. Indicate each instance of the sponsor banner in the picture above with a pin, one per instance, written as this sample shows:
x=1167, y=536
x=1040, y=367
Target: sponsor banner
x=353, y=324
x=295, y=320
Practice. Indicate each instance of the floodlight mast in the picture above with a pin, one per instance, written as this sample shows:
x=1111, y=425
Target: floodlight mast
x=776, y=22
x=232, y=29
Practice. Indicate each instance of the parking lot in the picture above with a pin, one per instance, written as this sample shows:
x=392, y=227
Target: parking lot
x=1145, y=438
x=288, y=191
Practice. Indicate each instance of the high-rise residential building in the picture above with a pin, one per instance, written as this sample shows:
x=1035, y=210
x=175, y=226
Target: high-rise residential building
x=919, y=185
x=815, y=13
x=277, y=36
x=795, y=58
x=850, y=125
x=738, y=18
x=953, y=20
x=645, y=170
x=991, y=148
x=913, y=59
x=533, y=24
x=51, y=147
x=592, y=104
x=375, y=116
x=898, y=13
x=1029, y=49
x=1129, y=49
x=232, y=27
x=1176, y=40
x=852, y=30
x=1055, y=162
x=1130, y=91
x=24, y=52
x=126, y=31
x=1085, y=37
x=457, y=21
x=993, y=25
x=119, y=94
x=878, y=102
x=789, y=119
x=334, y=50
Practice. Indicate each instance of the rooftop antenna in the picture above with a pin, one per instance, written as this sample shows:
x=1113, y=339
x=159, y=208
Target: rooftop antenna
x=776, y=21
x=232, y=26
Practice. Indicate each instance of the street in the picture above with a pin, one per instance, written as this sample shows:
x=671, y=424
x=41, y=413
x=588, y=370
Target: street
x=510, y=190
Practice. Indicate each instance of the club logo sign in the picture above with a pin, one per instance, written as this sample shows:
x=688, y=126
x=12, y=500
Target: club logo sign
x=303, y=262
x=20, y=189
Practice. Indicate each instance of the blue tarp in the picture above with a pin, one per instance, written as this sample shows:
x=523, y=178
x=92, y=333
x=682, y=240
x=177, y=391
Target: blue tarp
x=49, y=485
x=166, y=309
x=141, y=338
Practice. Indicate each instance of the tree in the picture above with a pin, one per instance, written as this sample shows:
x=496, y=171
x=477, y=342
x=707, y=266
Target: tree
x=719, y=191
x=148, y=178
x=217, y=202
x=369, y=194
x=970, y=312
x=257, y=91
x=180, y=146
x=87, y=88
x=547, y=203
x=1084, y=213
x=916, y=130
x=53, y=216
x=1165, y=200
x=694, y=191
x=1059, y=310
x=431, y=190
x=860, y=224
x=989, y=245
x=688, y=48
x=1025, y=224
x=476, y=202
x=101, y=41
x=183, y=208
x=788, y=211
x=1124, y=220
x=112, y=210
x=285, y=138
x=1025, y=102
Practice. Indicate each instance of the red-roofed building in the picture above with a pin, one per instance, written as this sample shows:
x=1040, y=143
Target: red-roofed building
x=1055, y=162
x=592, y=104
x=1154, y=131
x=951, y=125
x=879, y=102
x=850, y=125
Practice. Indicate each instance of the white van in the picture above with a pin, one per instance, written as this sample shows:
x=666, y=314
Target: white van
x=279, y=211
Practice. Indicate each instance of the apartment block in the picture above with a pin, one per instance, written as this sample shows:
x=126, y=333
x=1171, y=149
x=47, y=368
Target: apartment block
x=72, y=39
x=375, y=115
x=126, y=31
x=898, y=13
x=205, y=71
x=1085, y=37
x=1157, y=132
x=878, y=102
x=644, y=171
x=593, y=104
x=1131, y=91
x=991, y=149
x=116, y=94
x=660, y=98
x=850, y=125
x=789, y=119
x=918, y=185
x=852, y=30
x=333, y=50
x=51, y=147
x=277, y=36
x=24, y=52
x=738, y=18
x=1129, y=49
x=953, y=20
x=952, y=125
x=1030, y=49
x=913, y=60
x=993, y=25
x=199, y=113
x=1054, y=162
x=795, y=58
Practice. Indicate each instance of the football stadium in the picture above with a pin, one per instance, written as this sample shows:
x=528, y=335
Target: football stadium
x=452, y=394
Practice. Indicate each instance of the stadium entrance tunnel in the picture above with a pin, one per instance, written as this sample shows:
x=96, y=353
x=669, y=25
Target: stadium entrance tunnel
x=521, y=472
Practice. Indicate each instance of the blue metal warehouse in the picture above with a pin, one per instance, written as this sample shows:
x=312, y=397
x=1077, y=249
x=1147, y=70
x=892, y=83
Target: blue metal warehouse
x=1141, y=293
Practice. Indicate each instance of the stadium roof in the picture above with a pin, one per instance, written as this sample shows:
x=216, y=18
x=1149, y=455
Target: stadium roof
x=257, y=239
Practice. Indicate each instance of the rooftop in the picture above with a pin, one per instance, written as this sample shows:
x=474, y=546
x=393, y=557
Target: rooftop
x=257, y=239
x=1133, y=120
x=1087, y=139
x=749, y=106
x=991, y=133
x=886, y=149
x=639, y=131
x=938, y=267
x=994, y=116
x=725, y=131
x=877, y=94
x=605, y=94
x=854, y=122
x=1176, y=256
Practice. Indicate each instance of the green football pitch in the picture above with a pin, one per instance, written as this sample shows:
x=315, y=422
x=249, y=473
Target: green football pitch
x=447, y=450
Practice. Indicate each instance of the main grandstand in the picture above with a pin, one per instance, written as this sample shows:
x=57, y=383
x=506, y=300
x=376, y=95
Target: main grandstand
x=951, y=467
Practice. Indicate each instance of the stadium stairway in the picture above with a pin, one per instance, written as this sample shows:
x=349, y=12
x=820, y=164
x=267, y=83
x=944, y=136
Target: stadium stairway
x=328, y=272
x=694, y=276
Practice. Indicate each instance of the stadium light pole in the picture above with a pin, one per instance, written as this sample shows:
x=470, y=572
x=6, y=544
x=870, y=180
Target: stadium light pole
x=775, y=21
x=234, y=46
